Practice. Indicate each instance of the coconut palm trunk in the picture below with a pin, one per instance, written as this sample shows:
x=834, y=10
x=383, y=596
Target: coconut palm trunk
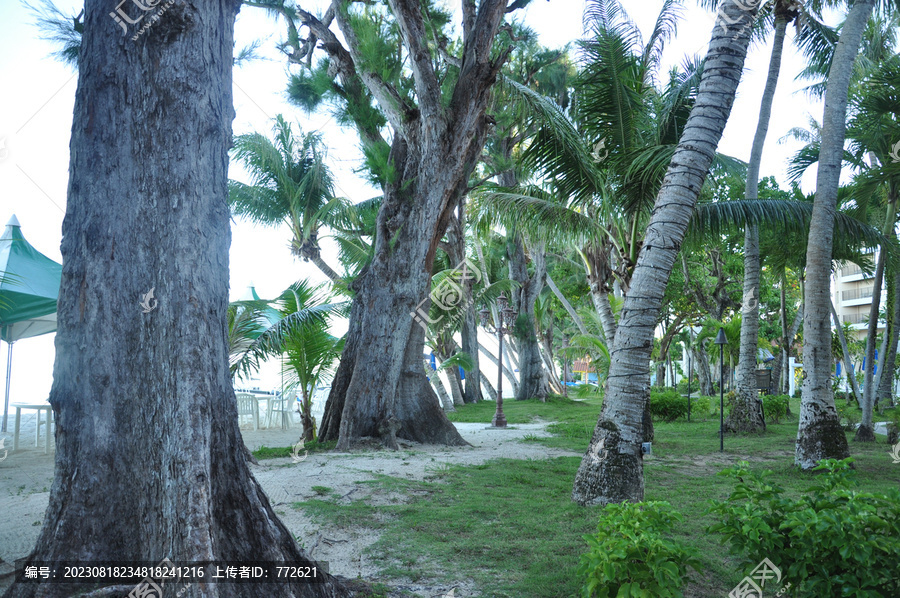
x=886, y=388
x=866, y=430
x=820, y=435
x=848, y=361
x=149, y=462
x=747, y=415
x=612, y=468
x=532, y=375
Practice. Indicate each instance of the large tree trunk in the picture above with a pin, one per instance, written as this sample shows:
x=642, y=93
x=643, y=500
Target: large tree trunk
x=747, y=413
x=434, y=149
x=701, y=363
x=886, y=388
x=820, y=435
x=149, y=461
x=612, y=468
x=532, y=376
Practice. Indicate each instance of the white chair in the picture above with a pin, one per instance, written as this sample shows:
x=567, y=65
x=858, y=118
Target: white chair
x=247, y=404
x=282, y=406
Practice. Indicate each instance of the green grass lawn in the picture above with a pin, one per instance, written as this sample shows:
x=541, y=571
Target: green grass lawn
x=511, y=527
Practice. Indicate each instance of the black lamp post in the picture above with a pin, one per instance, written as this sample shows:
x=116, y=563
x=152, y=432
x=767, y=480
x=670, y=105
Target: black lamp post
x=506, y=316
x=721, y=341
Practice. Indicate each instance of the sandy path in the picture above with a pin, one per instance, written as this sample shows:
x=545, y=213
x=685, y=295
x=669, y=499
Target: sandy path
x=26, y=476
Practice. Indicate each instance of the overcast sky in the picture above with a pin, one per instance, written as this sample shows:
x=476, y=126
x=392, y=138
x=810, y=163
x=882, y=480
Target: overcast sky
x=36, y=118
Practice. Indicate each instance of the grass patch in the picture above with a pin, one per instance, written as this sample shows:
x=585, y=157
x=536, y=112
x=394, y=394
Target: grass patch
x=266, y=452
x=510, y=525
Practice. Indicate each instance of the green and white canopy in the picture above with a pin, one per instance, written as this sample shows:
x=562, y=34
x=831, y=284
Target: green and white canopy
x=29, y=287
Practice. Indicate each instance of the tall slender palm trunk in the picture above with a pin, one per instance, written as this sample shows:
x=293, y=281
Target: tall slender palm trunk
x=747, y=415
x=612, y=467
x=820, y=435
x=848, y=362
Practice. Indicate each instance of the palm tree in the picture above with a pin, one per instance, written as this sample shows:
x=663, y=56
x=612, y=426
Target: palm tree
x=295, y=326
x=612, y=469
x=291, y=185
x=820, y=435
x=310, y=352
x=747, y=415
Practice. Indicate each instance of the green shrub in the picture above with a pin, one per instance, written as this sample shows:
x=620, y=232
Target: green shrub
x=830, y=541
x=669, y=405
x=775, y=407
x=849, y=415
x=630, y=557
x=682, y=386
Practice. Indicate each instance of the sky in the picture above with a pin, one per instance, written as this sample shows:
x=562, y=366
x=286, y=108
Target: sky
x=36, y=117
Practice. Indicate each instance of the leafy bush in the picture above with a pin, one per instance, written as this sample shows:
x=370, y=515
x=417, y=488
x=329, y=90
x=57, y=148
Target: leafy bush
x=775, y=407
x=669, y=405
x=629, y=556
x=849, y=415
x=830, y=541
x=682, y=386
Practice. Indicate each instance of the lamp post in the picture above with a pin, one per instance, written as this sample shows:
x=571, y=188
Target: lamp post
x=506, y=316
x=721, y=341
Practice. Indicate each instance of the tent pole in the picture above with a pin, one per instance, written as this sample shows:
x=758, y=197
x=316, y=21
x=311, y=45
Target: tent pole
x=8, y=374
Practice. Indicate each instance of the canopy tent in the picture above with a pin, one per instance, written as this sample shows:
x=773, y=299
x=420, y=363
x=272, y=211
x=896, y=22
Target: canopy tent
x=29, y=287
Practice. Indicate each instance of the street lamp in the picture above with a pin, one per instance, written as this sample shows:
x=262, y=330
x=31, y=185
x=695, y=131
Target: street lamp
x=506, y=316
x=721, y=341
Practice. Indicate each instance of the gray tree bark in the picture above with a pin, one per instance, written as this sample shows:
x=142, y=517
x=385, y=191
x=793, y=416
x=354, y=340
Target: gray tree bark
x=612, y=467
x=532, y=376
x=747, y=413
x=150, y=463
x=435, y=146
x=820, y=435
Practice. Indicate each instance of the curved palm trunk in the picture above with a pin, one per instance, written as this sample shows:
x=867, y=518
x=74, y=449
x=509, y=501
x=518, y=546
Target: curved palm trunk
x=848, y=362
x=325, y=268
x=149, y=462
x=820, y=435
x=747, y=415
x=612, y=468
x=566, y=305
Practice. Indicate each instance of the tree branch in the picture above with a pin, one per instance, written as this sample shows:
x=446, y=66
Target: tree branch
x=391, y=103
x=412, y=27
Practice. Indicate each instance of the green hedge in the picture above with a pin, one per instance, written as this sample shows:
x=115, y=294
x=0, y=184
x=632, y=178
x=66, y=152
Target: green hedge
x=669, y=405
